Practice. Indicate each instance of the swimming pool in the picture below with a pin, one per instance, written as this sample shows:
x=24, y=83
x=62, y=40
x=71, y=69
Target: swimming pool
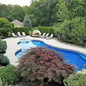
x=72, y=57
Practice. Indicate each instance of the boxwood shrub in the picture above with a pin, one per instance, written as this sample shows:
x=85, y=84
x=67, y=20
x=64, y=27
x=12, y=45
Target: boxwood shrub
x=9, y=74
x=4, y=61
x=3, y=46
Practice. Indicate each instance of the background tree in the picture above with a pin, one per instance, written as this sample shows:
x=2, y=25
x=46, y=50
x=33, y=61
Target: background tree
x=27, y=22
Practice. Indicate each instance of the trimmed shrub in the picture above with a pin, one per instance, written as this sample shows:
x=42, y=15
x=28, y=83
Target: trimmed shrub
x=20, y=29
x=45, y=29
x=9, y=74
x=40, y=64
x=76, y=80
x=3, y=46
x=4, y=61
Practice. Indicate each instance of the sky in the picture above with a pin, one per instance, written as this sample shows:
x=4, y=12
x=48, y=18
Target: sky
x=16, y=2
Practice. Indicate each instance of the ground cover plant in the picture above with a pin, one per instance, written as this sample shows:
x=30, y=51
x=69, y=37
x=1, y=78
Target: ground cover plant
x=40, y=65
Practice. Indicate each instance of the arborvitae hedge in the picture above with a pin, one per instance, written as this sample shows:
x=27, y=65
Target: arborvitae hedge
x=44, y=29
x=20, y=29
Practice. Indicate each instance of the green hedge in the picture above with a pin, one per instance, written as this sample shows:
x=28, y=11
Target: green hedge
x=5, y=31
x=20, y=29
x=44, y=29
x=9, y=74
x=76, y=80
x=4, y=61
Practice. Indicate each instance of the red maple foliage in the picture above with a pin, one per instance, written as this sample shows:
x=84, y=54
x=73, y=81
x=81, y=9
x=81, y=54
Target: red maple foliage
x=40, y=63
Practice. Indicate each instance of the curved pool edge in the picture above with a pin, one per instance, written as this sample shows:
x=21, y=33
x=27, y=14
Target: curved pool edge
x=44, y=41
x=12, y=46
x=57, y=47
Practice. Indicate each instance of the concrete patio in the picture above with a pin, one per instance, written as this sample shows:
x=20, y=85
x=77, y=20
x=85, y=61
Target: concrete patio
x=12, y=46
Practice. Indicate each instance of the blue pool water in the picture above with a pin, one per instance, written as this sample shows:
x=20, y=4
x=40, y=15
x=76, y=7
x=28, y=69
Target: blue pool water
x=72, y=57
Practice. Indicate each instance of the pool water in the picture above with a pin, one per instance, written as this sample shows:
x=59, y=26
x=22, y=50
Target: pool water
x=72, y=57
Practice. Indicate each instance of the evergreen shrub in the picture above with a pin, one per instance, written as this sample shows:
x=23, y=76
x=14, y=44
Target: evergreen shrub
x=4, y=61
x=72, y=31
x=76, y=80
x=20, y=29
x=3, y=46
x=9, y=74
x=44, y=29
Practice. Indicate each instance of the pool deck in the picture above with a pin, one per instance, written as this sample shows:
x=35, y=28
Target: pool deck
x=12, y=46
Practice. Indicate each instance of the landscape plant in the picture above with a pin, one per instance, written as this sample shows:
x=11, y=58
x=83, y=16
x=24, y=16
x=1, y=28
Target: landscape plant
x=72, y=31
x=44, y=29
x=41, y=64
x=27, y=22
x=3, y=46
x=20, y=29
x=4, y=61
x=9, y=74
x=2, y=83
x=5, y=27
x=76, y=80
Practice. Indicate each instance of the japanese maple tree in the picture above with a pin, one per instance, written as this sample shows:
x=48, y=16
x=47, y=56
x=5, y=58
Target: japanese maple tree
x=40, y=63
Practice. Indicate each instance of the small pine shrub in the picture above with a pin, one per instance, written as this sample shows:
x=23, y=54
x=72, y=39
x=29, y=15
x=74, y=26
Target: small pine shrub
x=10, y=74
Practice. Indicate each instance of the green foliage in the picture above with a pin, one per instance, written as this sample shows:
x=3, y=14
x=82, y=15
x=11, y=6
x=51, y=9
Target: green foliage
x=5, y=23
x=27, y=22
x=20, y=29
x=43, y=12
x=12, y=12
x=4, y=61
x=1, y=37
x=76, y=80
x=3, y=46
x=45, y=29
x=9, y=74
x=73, y=31
x=5, y=32
x=2, y=83
x=5, y=27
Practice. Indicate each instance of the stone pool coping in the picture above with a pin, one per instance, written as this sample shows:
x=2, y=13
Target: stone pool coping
x=12, y=46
